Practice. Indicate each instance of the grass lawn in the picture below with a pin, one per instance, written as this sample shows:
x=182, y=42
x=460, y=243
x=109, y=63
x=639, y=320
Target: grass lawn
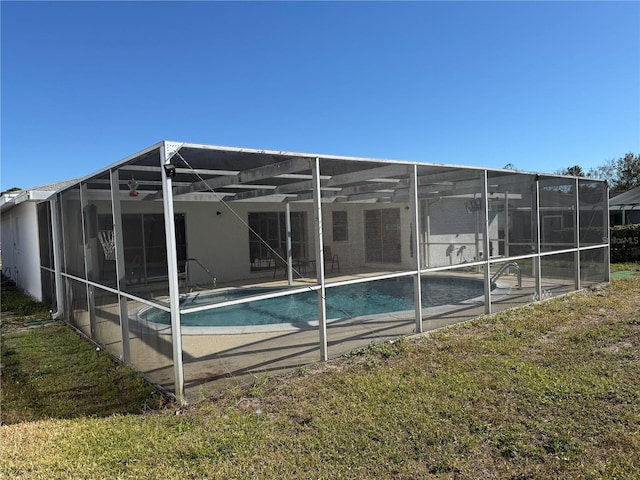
x=49, y=371
x=550, y=390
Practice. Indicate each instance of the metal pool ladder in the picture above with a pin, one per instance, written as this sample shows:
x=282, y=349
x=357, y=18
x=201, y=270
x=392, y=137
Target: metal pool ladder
x=504, y=268
x=198, y=262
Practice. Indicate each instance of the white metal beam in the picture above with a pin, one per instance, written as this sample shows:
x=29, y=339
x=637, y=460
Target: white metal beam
x=322, y=302
x=417, y=279
x=485, y=245
x=172, y=270
x=292, y=165
x=116, y=212
x=369, y=174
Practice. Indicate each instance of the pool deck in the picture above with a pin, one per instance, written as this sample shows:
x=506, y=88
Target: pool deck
x=215, y=363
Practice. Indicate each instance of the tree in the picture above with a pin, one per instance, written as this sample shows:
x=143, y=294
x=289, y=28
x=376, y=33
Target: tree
x=628, y=172
x=622, y=173
x=575, y=171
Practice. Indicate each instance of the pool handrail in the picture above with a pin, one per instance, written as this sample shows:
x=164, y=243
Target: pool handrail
x=504, y=268
x=198, y=262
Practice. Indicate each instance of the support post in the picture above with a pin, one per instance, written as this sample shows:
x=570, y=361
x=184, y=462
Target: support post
x=537, y=260
x=607, y=233
x=507, y=239
x=427, y=218
x=485, y=236
x=88, y=264
x=415, y=210
x=172, y=264
x=287, y=216
x=116, y=211
x=322, y=304
x=576, y=237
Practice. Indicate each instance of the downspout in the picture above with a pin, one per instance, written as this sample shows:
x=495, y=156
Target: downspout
x=56, y=259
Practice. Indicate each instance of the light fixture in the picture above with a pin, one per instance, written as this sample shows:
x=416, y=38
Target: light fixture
x=170, y=170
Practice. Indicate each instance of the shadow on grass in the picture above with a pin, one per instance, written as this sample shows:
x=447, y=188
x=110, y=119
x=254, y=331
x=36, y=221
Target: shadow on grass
x=52, y=372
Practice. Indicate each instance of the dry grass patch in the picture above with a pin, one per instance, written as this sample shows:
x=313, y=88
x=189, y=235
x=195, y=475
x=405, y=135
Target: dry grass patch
x=546, y=391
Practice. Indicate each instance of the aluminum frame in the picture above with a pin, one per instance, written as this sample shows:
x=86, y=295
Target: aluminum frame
x=323, y=188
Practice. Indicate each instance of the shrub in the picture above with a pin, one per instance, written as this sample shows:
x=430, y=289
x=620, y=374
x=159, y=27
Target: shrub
x=625, y=243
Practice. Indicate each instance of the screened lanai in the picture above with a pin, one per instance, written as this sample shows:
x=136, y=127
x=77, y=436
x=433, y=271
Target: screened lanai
x=204, y=267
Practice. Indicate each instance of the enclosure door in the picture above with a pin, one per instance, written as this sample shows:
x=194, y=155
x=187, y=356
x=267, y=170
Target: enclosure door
x=382, y=235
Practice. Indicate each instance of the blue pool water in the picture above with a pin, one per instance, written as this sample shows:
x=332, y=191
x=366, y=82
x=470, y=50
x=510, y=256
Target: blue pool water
x=344, y=302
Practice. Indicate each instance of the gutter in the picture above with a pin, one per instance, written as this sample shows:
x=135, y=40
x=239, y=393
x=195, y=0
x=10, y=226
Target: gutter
x=23, y=196
x=7, y=201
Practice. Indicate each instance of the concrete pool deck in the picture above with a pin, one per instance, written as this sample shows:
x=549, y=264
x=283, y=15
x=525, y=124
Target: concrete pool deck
x=215, y=363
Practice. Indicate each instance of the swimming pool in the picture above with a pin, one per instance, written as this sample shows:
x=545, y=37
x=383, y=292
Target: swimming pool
x=346, y=302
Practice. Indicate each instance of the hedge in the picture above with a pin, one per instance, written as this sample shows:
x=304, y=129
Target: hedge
x=625, y=243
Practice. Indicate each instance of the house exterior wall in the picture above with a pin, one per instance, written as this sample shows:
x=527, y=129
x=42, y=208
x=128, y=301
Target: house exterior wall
x=620, y=216
x=450, y=234
x=20, y=249
x=352, y=253
x=221, y=242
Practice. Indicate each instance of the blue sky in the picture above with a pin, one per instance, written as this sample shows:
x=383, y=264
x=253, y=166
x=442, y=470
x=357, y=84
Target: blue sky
x=540, y=85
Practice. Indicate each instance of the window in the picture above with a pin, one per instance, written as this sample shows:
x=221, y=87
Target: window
x=340, y=226
x=269, y=228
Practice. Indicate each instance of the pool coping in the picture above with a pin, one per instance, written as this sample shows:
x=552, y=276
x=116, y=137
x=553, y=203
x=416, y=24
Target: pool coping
x=498, y=292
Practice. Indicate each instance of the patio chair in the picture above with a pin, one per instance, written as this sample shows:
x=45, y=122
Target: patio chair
x=329, y=258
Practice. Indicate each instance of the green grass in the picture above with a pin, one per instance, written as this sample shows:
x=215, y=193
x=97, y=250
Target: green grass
x=22, y=305
x=550, y=390
x=51, y=372
x=621, y=271
x=628, y=267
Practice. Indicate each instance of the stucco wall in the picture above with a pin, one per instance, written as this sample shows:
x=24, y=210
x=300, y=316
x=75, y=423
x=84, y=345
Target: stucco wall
x=221, y=242
x=20, y=250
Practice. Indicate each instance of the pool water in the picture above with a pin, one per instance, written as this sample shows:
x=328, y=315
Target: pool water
x=344, y=302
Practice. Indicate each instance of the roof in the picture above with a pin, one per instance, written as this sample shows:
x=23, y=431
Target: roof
x=628, y=198
x=10, y=199
x=56, y=186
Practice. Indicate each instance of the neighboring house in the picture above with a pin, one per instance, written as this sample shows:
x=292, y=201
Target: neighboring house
x=21, y=256
x=624, y=209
